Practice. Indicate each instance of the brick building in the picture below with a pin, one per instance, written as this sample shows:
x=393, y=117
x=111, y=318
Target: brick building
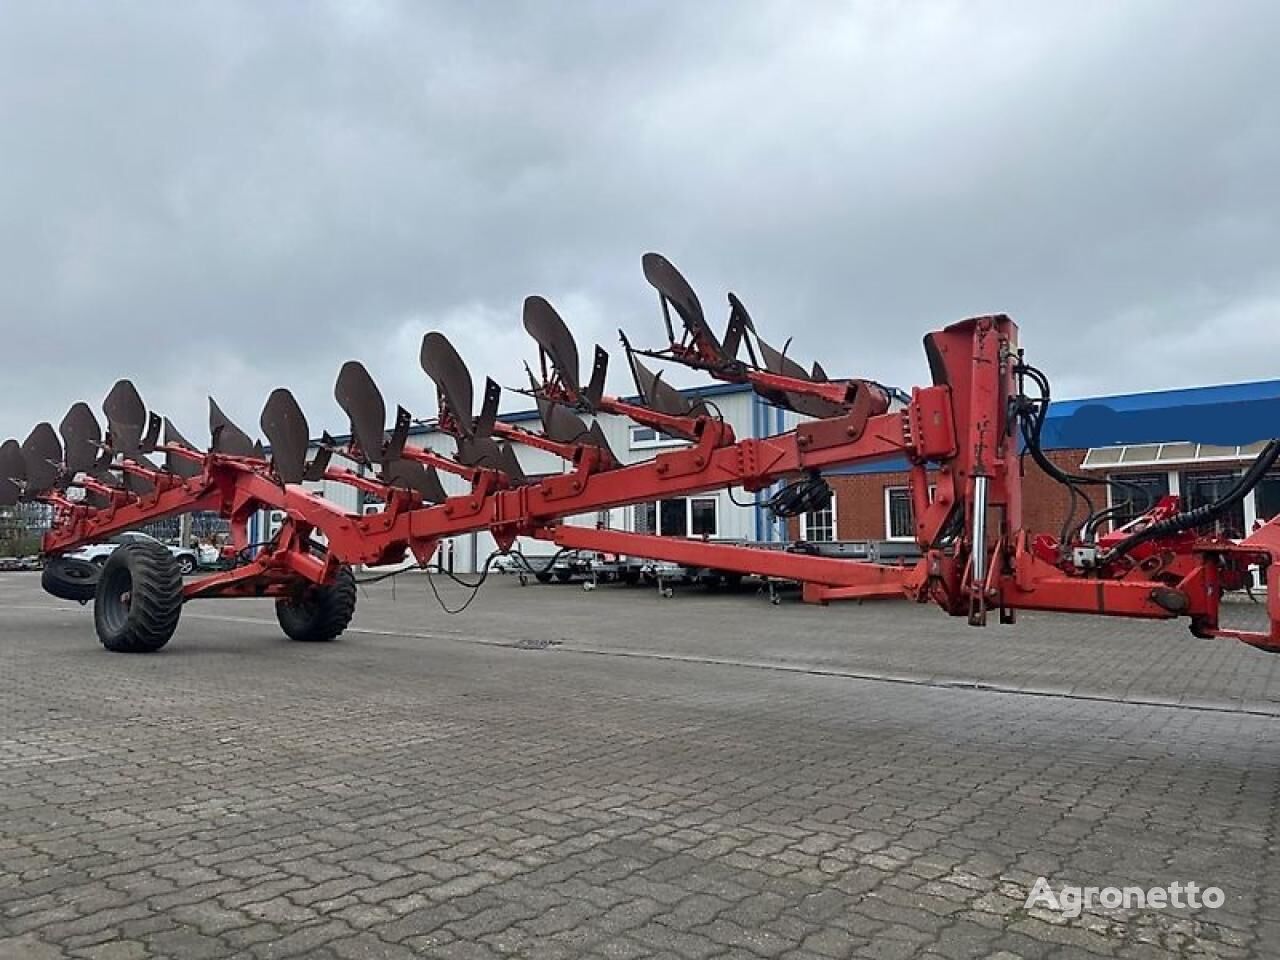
x=1192, y=442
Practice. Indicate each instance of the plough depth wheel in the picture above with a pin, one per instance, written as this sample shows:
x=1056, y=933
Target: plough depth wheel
x=321, y=613
x=139, y=598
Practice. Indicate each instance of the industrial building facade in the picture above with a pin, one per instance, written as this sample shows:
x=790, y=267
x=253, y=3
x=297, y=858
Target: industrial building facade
x=1193, y=442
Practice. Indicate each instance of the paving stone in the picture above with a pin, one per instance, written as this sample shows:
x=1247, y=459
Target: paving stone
x=419, y=791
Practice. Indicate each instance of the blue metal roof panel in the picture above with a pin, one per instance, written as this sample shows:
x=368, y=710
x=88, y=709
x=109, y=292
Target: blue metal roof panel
x=1226, y=415
x=1230, y=414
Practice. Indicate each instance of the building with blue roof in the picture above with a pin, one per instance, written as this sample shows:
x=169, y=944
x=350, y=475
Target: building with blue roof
x=1193, y=442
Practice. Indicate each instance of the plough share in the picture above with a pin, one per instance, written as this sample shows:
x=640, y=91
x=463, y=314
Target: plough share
x=964, y=436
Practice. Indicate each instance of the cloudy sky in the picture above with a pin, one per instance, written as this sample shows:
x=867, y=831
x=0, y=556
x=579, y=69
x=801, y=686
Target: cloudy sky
x=224, y=198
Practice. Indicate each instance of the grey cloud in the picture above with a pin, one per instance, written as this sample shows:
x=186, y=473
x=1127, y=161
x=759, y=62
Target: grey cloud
x=228, y=197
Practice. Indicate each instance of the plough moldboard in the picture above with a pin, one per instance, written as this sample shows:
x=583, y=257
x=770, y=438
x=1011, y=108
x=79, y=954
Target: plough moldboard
x=964, y=436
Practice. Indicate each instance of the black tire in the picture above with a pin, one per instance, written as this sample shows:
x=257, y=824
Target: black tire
x=542, y=576
x=564, y=576
x=69, y=578
x=319, y=614
x=139, y=598
x=186, y=564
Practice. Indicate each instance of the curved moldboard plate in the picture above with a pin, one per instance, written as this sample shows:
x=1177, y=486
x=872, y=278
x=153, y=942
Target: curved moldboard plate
x=596, y=437
x=778, y=362
x=96, y=500
x=227, y=437
x=668, y=281
x=441, y=362
x=412, y=475
x=320, y=462
x=487, y=453
x=42, y=455
x=656, y=394
x=813, y=406
x=511, y=463
x=152, y=436
x=107, y=475
x=178, y=466
x=546, y=326
x=138, y=485
x=360, y=397
x=9, y=493
x=12, y=466
x=559, y=423
x=126, y=417
x=81, y=437
x=286, y=428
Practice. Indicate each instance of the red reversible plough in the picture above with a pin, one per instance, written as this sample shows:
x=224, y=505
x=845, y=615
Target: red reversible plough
x=964, y=436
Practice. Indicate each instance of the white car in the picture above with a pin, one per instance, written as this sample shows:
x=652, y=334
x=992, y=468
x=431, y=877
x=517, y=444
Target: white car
x=97, y=553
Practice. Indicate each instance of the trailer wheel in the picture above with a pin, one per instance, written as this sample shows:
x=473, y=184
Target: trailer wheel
x=139, y=598
x=564, y=576
x=542, y=576
x=320, y=614
x=69, y=578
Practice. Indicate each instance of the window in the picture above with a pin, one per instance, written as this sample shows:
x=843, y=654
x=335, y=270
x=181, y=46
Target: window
x=673, y=518
x=1199, y=489
x=1141, y=492
x=680, y=517
x=647, y=438
x=702, y=516
x=819, y=526
x=1267, y=497
x=646, y=518
x=900, y=520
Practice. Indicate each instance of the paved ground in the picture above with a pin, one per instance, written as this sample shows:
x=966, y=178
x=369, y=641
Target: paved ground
x=555, y=774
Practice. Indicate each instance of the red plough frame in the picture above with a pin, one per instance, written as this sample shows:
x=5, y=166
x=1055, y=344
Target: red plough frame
x=960, y=434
